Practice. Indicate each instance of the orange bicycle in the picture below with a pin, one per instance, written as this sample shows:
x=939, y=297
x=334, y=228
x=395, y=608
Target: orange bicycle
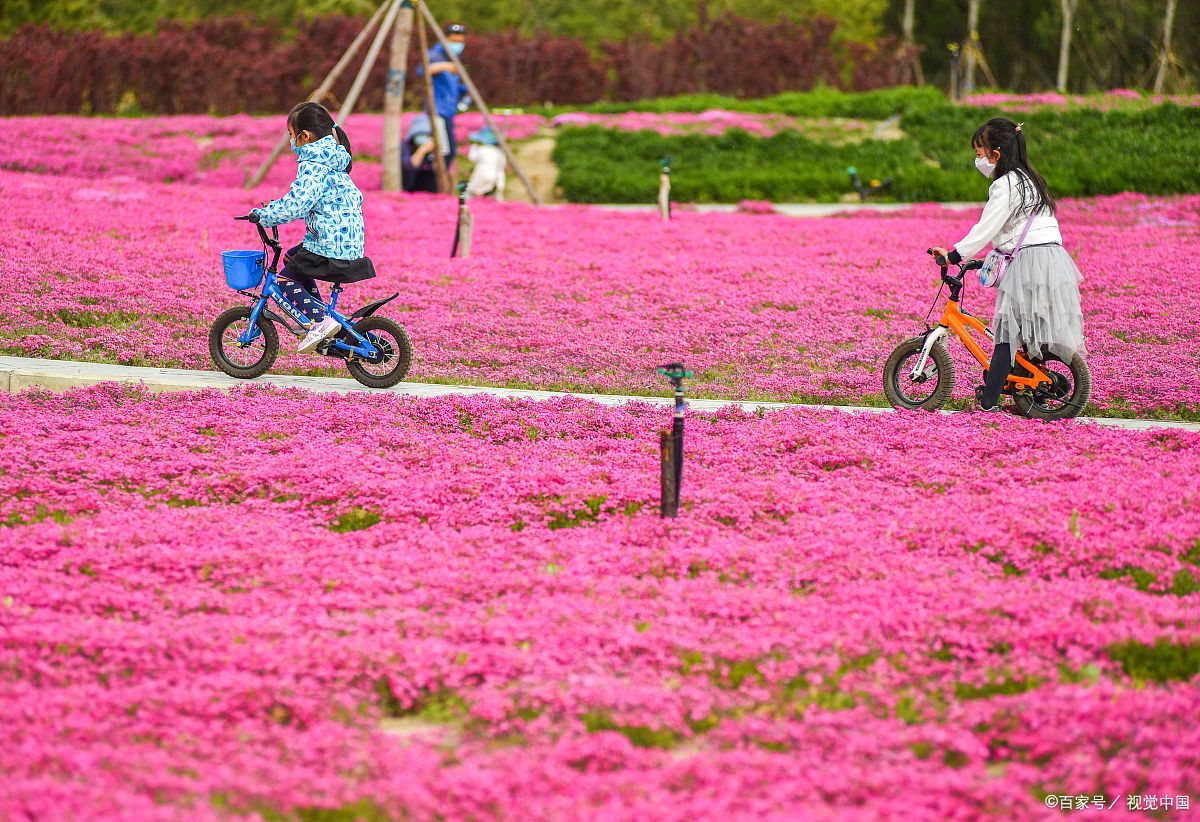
x=920, y=373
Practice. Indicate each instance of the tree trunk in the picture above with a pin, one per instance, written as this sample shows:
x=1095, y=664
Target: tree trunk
x=972, y=45
x=439, y=159
x=393, y=96
x=1064, y=43
x=1164, y=58
x=908, y=23
x=697, y=46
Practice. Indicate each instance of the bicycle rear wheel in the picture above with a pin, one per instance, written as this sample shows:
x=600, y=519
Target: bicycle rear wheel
x=1068, y=394
x=395, y=353
x=230, y=356
x=931, y=389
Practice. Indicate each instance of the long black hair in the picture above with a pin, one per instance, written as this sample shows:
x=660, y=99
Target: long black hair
x=315, y=118
x=1003, y=135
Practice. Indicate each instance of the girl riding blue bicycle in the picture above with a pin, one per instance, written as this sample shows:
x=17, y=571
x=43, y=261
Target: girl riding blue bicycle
x=331, y=206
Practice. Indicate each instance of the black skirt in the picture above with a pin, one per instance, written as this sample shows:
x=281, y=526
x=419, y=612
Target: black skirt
x=306, y=264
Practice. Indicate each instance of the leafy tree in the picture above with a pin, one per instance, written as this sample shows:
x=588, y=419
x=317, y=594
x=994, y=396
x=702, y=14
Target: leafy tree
x=594, y=20
x=1115, y=43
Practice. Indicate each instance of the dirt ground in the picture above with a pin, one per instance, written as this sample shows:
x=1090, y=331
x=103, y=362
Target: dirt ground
x=534, y=158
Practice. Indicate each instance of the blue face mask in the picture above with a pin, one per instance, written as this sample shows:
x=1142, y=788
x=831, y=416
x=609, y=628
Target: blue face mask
x=295, y=148
x=457, y=48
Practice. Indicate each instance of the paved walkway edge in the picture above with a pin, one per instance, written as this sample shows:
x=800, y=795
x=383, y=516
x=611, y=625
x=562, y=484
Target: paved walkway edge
x=786, y=209
x=22, y=373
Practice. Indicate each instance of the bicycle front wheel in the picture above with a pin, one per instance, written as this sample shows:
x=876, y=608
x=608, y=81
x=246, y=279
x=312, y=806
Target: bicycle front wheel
x=927, y=391
x=248, y=361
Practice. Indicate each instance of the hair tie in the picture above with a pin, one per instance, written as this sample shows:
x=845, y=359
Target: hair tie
x=1019, y=126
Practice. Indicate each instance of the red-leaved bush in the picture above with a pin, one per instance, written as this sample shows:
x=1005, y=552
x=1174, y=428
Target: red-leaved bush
x=230, y=65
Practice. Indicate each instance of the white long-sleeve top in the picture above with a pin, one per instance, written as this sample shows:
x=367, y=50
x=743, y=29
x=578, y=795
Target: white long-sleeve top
x=488, y=176
x=1002, y=222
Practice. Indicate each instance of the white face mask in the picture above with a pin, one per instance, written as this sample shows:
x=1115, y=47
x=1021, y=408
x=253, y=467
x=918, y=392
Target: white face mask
x=985, y=168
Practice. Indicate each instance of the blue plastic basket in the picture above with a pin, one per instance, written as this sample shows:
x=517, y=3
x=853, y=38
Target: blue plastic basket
x=244, y=269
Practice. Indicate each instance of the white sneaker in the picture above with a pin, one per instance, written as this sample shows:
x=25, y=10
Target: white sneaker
x=320, y=332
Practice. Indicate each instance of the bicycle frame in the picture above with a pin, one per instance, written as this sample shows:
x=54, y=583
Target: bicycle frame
x=961, y=323
x=362, y=347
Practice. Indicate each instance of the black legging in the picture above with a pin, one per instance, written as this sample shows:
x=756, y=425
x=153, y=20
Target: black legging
x=300, y=290
x=997, y=375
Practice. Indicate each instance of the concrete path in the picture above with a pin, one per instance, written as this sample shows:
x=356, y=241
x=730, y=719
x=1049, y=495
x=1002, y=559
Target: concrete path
x=20, y=373
x=786, y=209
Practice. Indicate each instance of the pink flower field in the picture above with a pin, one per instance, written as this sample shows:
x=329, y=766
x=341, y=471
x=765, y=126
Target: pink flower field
x=222, y=151
x=1114, y=98
x=225, y=151
x=287, y=606
x=276, y=605
x=761, y=306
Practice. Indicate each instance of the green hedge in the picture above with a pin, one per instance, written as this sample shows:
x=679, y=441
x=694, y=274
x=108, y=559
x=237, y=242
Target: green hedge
x=1081, y=152
x=821, y=102
x=598, y=165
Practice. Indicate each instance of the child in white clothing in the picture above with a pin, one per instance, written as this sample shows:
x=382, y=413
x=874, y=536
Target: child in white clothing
x=1037, y=304
x=487, y=178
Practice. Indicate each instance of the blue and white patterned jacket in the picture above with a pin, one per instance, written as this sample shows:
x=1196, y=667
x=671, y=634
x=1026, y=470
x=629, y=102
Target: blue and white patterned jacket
x=327, y=199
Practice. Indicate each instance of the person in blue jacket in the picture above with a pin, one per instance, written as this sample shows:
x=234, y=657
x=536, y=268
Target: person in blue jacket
x=450, y=93
x=331, y=207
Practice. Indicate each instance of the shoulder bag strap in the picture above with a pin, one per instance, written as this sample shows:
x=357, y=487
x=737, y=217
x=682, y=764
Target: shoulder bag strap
x=1016, y=248
x=1021, y=242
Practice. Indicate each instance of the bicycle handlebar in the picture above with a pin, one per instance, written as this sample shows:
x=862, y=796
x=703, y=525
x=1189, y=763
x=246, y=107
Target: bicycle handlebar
x=963, y=267
x=273, y=240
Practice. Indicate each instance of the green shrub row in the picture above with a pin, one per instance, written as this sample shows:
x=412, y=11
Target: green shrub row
x=1081, y=152
x=821, y=102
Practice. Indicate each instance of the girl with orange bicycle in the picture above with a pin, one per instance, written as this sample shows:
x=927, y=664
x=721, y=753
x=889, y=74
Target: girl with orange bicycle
x=1037, y=304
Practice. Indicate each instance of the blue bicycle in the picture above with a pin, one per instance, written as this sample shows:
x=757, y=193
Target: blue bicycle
x=244, y=342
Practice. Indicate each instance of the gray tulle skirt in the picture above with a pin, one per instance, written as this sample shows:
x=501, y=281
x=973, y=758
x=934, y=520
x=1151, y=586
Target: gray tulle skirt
x=1038, y=303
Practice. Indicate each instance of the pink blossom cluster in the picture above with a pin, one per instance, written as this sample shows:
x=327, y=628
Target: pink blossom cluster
x=1114, y=98
x=222, y=151
x=712, y=122
x=267, y=603
x=589, y=300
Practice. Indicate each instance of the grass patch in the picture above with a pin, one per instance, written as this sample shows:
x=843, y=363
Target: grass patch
x=41, y=513
x=97, y=319
x=1183, y=582
x=995, y=686
x=438, y=707
x=356, y=519
x=364, y=810
x=1164, y=661
x=589, y=513
x=642, y=736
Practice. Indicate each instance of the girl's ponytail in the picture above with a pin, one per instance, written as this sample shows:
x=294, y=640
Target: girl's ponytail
x=339, y=134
